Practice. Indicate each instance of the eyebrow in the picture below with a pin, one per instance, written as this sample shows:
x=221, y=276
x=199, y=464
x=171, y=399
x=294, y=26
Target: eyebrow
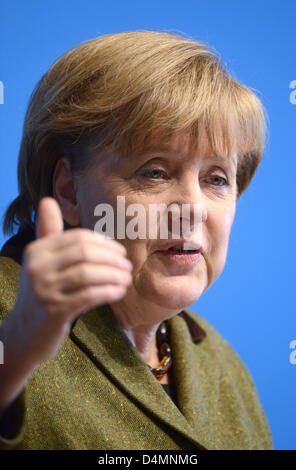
x=164, y=149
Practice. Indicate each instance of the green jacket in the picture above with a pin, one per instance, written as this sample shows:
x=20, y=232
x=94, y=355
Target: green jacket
x=97, y=393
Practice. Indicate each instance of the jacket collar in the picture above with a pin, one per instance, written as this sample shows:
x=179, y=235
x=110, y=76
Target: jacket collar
x=13, y=248
x=101, y=337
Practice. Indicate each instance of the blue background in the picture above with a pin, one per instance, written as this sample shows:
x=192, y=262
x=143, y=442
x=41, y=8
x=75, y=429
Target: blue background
x=252, y=303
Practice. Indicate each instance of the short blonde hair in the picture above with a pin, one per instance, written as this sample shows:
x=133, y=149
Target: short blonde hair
x=115, y=91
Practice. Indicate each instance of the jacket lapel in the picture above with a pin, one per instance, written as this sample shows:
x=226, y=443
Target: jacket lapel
x=103, y=340
x=197, y=377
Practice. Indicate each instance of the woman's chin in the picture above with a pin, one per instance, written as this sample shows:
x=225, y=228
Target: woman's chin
x=179, y=302
x=177, y=295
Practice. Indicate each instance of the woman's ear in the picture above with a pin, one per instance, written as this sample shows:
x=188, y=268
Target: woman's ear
x=64, y=191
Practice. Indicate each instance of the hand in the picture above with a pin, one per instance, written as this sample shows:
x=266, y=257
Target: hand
x=64, y=274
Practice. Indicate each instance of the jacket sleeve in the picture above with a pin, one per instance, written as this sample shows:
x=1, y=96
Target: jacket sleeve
x=12, y=422
x=236, y=374
x=243, y=382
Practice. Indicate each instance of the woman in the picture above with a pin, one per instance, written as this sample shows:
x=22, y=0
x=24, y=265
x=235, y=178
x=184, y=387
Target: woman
x=96, y=330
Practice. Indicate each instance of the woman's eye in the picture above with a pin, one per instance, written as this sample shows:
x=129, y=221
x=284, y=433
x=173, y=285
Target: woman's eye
x=153, y=173
x=157, y=173
x=219, y=179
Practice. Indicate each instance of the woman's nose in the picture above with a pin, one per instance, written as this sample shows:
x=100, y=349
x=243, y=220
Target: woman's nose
x=188, y=207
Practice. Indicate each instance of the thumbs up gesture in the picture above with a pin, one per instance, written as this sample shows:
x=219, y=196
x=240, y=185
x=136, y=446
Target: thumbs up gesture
x=65, y=274
x=49, y=218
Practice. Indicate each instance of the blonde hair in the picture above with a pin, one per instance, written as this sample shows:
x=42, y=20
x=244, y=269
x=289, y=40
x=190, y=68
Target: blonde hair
x=116, y=91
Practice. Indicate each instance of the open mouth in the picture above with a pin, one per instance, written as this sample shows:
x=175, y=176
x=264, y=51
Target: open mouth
x=180, y=251
x=181, y=248
x=182, y=254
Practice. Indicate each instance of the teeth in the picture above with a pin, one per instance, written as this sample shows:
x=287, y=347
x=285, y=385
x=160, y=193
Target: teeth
x=186, y=247
x=189, y=246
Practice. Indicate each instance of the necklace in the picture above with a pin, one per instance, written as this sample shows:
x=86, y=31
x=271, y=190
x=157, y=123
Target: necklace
x=165, y=353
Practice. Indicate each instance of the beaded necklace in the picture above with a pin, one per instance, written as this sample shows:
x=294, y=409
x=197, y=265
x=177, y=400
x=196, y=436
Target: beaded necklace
x=162, y=339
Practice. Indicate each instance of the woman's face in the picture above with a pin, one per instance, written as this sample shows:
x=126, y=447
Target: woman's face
x=177, y=175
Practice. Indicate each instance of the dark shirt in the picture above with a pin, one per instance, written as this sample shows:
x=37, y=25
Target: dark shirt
x=171, y=391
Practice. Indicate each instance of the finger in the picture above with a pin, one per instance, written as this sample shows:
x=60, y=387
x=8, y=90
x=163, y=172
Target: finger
x=92, y=296
x=81, y=236
x=49, y=218
x=85, y=274
x=90, y=253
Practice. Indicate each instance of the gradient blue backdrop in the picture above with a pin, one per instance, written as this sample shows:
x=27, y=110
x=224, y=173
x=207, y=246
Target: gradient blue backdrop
x=252, y=303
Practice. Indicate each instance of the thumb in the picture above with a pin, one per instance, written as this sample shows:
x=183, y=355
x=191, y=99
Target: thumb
x=49, y=218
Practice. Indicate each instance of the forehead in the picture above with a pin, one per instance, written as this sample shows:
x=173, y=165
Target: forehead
x=181, y=146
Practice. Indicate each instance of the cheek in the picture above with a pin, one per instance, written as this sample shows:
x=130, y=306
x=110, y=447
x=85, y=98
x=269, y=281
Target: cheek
x=136, y=252
x=221, y=222
x=89, y=197
x=221, y=232
x=218, y=232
